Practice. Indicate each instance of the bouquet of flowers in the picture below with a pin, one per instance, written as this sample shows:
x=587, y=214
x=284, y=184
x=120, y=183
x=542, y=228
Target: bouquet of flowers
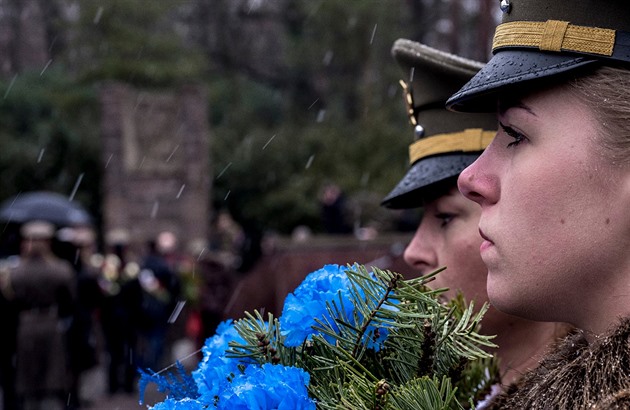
x=348, y=337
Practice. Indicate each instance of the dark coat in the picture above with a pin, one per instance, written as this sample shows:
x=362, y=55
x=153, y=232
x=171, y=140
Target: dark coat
x=577, y=375
x=43, y=291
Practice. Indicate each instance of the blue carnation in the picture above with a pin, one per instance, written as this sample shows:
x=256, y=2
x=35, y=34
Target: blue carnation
x=268, y=387
x=308, y=302
x=215, y=370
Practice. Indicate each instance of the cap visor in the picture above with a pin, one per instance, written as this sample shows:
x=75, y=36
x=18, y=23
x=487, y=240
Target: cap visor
x=511, y=68
x=413, y=189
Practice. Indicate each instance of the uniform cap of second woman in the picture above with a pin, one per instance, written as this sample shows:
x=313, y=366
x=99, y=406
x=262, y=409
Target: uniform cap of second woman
x=445, y=142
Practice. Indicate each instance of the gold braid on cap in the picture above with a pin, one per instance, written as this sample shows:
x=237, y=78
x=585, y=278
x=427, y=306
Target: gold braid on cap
x=555, y=35
x=408, y=95
x=469, y=140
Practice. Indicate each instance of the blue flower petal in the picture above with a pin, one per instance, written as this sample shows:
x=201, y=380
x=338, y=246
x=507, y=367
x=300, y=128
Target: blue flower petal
x=308, y=302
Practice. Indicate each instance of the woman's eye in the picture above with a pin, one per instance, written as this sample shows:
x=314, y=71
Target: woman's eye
x=518, y=137
x=445, y=218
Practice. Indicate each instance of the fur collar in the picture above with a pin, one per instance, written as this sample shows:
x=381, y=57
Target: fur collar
x=577, y=375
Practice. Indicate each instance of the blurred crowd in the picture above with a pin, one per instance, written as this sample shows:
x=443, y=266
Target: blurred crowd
x=73, y=299
x=68, y=307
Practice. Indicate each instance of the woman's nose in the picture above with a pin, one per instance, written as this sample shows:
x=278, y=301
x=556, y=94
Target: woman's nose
x=477, y=183
x=419, y=254
x=467, y=184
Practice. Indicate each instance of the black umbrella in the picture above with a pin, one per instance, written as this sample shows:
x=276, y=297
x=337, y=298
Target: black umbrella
x=46, y=206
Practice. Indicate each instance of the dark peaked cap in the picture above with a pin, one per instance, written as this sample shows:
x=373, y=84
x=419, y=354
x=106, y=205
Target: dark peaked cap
x=543, y=40
x=450, y=141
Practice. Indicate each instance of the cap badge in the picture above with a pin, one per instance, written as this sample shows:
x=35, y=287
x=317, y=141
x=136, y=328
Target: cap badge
x=418, y=131
x=506, y=6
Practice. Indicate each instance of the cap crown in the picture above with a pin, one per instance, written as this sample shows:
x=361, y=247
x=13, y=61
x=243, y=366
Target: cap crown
x=432, y=77
x=613, y=14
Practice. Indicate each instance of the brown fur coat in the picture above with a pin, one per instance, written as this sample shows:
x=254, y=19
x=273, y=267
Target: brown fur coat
x=577, y=375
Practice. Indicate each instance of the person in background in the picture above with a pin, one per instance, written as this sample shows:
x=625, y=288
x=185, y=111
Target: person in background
x=217, y=283
x=183, y=322
x=334, y=210
x=554, y=189
x=157, y=289
x=43, y=288
x=226, y=239
x=8, y=341
x=167, y=245
x=447, y=235
x=119, y=311
x=81, y=335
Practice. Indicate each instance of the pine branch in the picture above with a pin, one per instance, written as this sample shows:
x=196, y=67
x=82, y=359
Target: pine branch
x=263, y=340
x=425, y=339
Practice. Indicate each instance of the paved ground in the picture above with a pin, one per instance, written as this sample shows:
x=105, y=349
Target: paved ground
x=95, y=397
x=94, y=391
x=94, y=386
x=119, y=402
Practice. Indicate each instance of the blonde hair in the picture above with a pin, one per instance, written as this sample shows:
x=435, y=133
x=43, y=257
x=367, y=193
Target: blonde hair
x=606, y=92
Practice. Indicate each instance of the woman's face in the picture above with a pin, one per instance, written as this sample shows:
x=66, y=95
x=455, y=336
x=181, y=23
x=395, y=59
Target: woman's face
x=448, y=236
x=554, y=214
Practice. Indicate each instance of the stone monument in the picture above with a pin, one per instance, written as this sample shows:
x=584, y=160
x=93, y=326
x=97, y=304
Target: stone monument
x=155, y=151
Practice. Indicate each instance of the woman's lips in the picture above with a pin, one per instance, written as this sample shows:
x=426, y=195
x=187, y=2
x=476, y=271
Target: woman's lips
x=486, y=244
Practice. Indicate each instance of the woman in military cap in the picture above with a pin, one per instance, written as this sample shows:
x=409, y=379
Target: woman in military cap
x=554, y=189
x=445, y=144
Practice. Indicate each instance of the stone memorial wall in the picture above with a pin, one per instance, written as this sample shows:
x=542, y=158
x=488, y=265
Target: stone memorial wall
x=155, y=152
